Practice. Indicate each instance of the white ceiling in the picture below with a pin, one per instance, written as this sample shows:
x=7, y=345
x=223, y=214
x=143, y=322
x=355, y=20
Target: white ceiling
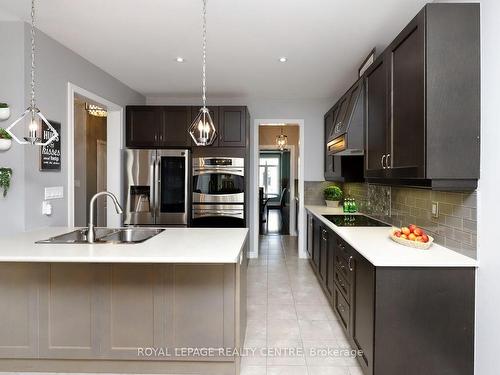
x=137, y=41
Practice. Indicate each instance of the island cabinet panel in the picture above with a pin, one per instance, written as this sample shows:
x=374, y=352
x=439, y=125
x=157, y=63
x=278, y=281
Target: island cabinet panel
x=132, y=310
x=19, y=310
x=201, y=308
x=68, y=303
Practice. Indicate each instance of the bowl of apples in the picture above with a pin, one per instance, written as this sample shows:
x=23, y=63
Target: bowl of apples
x=412, y=236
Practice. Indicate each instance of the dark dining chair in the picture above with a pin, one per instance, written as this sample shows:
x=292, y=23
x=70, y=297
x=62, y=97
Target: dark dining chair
x=278, y=205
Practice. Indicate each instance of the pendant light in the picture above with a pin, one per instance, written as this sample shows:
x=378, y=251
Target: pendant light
x=281, y=140
x=32, y=115
x=202, y=130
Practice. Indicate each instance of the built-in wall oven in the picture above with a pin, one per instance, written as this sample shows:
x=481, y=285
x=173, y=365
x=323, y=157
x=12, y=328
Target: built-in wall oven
x=157, y=187
x=218, y=191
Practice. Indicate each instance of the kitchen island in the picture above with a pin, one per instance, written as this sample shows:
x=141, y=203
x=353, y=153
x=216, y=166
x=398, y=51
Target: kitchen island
x=173, y=304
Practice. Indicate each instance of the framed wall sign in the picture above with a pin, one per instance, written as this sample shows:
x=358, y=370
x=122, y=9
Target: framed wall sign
x=50, y=156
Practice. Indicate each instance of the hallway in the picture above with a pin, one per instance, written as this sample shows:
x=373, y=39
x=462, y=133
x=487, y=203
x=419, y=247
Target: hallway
x=289, y=315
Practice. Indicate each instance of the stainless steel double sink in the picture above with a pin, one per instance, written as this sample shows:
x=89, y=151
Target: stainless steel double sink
x=105, y=236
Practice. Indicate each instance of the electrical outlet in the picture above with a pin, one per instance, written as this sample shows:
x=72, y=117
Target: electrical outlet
x=435, y=210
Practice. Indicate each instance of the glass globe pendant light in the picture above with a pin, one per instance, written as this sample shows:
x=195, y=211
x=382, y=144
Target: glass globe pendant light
x=32, y=114
x=281, y=140
x=202, y=130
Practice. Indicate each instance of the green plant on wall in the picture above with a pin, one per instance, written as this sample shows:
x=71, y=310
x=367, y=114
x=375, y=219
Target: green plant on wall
x=4, y=134
x=333, y=193
x=5, y=176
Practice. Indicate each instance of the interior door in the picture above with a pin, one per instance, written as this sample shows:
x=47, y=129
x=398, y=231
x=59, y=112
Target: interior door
x=407, y=153
x=172, y=171
x=376, y=118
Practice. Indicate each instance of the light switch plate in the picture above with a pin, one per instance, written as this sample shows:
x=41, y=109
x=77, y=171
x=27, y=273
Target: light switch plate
x=435, y=209
x=56, y=192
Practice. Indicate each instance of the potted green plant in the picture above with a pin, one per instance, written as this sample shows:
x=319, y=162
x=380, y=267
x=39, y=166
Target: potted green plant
x=5, y=176
x=4, y=111
x=5, y=140
x=333, y=195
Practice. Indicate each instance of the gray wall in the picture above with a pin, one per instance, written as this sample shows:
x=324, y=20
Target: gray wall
x=56, y=66
x=12, y=92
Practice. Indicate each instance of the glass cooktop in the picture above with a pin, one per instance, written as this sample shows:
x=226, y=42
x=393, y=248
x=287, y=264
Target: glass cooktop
x=354, y=221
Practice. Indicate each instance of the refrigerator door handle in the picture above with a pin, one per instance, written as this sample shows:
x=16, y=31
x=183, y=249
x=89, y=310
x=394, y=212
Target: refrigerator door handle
x=152, y=184
x=157, y=185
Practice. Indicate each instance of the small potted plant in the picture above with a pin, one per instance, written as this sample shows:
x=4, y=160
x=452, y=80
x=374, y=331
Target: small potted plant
x=5, y=140
x=5, y=176
x=4, y=111
x=333, y=195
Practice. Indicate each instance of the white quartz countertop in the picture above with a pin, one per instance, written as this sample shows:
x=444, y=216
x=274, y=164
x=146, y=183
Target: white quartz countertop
x=173, y=245
x=375, y=245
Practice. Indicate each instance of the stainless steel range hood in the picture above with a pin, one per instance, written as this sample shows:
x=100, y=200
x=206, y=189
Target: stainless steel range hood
x=346, y=132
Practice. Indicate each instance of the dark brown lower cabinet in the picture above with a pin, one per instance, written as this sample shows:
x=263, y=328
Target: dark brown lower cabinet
x=404, y=320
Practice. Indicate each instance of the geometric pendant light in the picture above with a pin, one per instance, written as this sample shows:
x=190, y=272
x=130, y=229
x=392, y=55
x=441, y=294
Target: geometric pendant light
x=32, y=118
x=281, y=140
x=202, y=129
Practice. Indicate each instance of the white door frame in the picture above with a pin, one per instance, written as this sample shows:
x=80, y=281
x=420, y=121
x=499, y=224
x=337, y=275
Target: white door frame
x=114, y=145
x=254, y=252
x=293, y=174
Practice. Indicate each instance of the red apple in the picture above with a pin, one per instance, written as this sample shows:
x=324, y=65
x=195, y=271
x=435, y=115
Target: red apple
x=397, y=233
x=412, y=227
x=425, y=238
x=418, y=232
x=405, y=230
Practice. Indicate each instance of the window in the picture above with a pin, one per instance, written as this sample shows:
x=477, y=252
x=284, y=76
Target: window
x=269, y=173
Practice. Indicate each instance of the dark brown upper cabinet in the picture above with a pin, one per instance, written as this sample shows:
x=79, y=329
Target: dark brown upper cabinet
x=377, y=117
x=157, y=126
x=232, y=126
x=423, y=102
x=168, y=126
x=176, y=121
x=143, y=126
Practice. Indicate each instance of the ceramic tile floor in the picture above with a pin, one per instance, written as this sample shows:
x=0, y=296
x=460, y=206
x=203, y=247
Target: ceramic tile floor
x=289, y=317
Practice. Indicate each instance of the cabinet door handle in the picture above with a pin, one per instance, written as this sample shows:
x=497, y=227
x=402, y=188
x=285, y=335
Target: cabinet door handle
x=349, y=263
x=341, y=307
x=387, y=163
x=382, y=161
x=156, y=137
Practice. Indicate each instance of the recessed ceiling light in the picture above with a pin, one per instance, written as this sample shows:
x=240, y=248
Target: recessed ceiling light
x=283, y=59
x=180, y=59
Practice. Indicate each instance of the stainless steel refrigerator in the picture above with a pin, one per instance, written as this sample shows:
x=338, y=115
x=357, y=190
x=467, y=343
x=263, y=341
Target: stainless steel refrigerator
x=156, y=187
